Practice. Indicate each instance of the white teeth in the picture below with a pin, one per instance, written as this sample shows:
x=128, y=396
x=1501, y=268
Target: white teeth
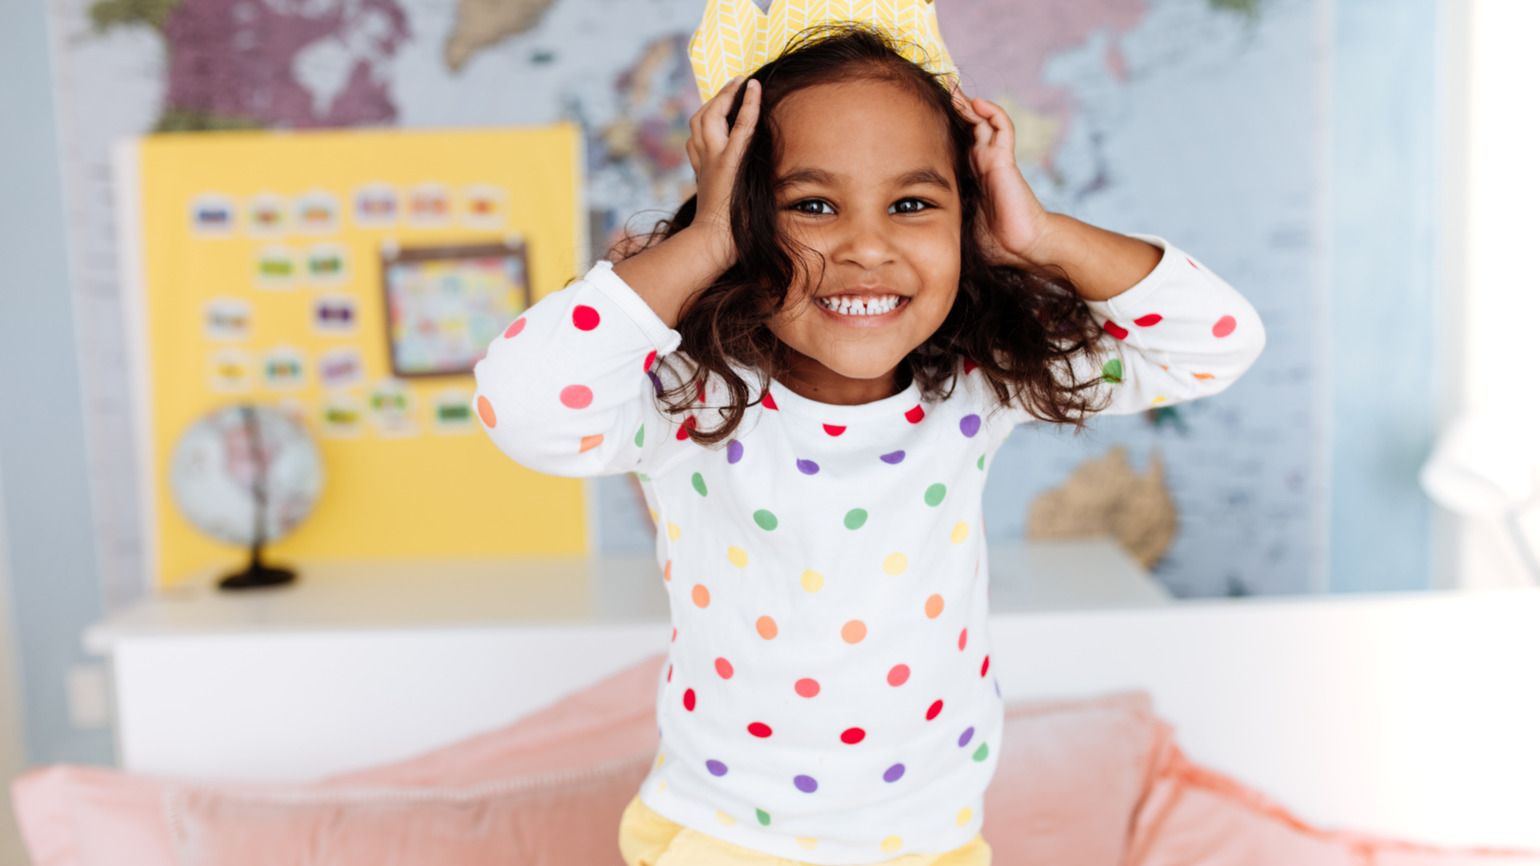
x=854, y=307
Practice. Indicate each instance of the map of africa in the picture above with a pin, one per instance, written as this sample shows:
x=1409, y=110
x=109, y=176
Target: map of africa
x=1124, y=117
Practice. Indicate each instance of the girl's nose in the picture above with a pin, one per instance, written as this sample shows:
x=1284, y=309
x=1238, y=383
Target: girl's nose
x=867, y=243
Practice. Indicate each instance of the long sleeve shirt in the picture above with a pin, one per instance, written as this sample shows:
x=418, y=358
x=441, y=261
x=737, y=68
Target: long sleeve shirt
x=828, y=695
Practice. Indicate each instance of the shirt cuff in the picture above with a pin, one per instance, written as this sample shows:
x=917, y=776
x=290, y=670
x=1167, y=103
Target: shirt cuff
x=663, y=338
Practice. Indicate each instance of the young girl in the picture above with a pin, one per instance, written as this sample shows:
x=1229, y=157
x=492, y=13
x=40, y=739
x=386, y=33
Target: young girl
x=808, y=369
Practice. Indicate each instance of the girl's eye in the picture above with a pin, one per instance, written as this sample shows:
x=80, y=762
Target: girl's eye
x=798, y=205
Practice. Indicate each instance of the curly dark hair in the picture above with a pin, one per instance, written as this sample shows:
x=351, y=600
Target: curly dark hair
x=1020, y=326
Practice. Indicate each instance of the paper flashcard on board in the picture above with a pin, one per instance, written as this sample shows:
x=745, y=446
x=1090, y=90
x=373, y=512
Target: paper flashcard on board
x=353, y=278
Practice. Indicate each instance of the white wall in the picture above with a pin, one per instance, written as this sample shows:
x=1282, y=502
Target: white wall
x=1501, y=291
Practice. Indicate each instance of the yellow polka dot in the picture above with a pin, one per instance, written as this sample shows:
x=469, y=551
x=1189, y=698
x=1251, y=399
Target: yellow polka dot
x=1159, y=398
x=895, y=563
x=737, y=556
x=660, y=760
x=766, y=627
x=808, y=843
x=662, y=786
x=725, y=818
x=892, y=843
x=854, y=631
x=700, y=595
x=959, y=532
x=934, y=606
x=673, y=531
x=653, y=513
x=812, y=581
x=964, y=816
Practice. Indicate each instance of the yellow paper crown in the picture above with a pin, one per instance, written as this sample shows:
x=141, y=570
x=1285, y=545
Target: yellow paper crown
x=736, y=37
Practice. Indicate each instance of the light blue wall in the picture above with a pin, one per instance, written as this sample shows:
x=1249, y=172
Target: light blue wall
x=1384, y=182
x=54, y=585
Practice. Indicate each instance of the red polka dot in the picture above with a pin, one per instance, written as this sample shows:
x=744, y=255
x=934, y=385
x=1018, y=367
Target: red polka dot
x=576, y=396
x=484, y=409
x=851, y=736
x=1114, y=329
x=914, y=415
x=833, y=429
x=898, y=675
x=689, y=700
x=1225, y=326
x=984, y=669
x=683, y=432
x=769, y=401
x=725, y=669
x=514, y=328
x=675, y=635
x=647, y=362
x=934, y=711
x=962, y=640
x=759, y=729
x=807, y=687
x=700, y=391
x=1147, y=321
x=585, y=318
x=1191, y=262
x=968, y=365
x=670, y=677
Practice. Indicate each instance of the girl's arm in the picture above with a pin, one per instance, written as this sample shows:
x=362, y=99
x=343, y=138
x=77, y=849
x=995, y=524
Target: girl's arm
x=1179, y=333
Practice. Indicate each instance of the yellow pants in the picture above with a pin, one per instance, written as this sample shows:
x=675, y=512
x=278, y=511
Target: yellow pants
x=649, y=839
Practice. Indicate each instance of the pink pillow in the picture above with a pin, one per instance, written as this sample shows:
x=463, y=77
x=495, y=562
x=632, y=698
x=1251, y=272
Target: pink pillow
x=1195, y=816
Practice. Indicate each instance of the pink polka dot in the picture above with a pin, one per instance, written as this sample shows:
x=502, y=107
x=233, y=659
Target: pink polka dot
x=585, y=318
x=962, y=640
x=724, y=669
x=898, y=675
x=1225, y=326
x=807, y=687
x=576, y=396
x=670, y=677
x=514, y=328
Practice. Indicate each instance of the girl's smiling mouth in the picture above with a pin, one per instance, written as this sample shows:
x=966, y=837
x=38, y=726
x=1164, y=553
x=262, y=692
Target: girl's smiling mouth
x=862, y=311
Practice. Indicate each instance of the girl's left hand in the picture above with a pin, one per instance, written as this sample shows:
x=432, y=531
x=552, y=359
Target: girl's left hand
x=1014, y=221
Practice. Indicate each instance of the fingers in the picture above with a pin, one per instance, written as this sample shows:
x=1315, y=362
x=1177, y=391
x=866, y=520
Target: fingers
x=715, y=122
x=748, y=116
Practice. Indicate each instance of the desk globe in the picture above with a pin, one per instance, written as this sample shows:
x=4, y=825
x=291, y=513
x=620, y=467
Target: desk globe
x=247, y=474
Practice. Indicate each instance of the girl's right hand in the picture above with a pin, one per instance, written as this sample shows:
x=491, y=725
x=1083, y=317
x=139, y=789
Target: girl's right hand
x=715, y=153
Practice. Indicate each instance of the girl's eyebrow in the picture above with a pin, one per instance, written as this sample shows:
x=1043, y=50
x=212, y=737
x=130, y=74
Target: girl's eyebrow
x=817, y=175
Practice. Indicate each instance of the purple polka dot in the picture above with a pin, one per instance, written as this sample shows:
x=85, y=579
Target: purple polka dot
x=997, y=690
x=893, y=457
x=894, y=773
x=807, y=467
x=965, y=738
x=806, y=784
x=969, y=425
x=716, y=767
x=657, y=384
x=734, y=451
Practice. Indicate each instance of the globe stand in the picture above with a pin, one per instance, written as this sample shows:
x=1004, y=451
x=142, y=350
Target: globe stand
x=257, y=574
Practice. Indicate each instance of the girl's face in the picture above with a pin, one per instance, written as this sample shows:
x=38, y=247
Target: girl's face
x=865, y=177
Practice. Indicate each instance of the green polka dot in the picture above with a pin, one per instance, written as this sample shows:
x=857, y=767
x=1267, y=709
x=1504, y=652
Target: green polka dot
x=981, y=752
x=640, y=431
x=764, y=817
x=699, y=483
x=934, y=494
x=642, y=476
x=765, y=519
x=855, y=518
x=981, y=461
x=1112, y=371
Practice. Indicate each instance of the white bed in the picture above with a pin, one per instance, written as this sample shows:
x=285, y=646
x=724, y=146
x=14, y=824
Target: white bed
x=1412, y=715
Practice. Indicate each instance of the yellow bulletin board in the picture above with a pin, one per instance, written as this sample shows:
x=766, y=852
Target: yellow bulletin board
x=309, y=271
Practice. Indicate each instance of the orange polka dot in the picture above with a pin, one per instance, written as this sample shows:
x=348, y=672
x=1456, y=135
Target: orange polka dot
x=933, y=606
x=668, y=566
x=854, y=631
x=766, y=627
x=1203, y=375
x=700, y=595
x=484, y=409
x=589, y=443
